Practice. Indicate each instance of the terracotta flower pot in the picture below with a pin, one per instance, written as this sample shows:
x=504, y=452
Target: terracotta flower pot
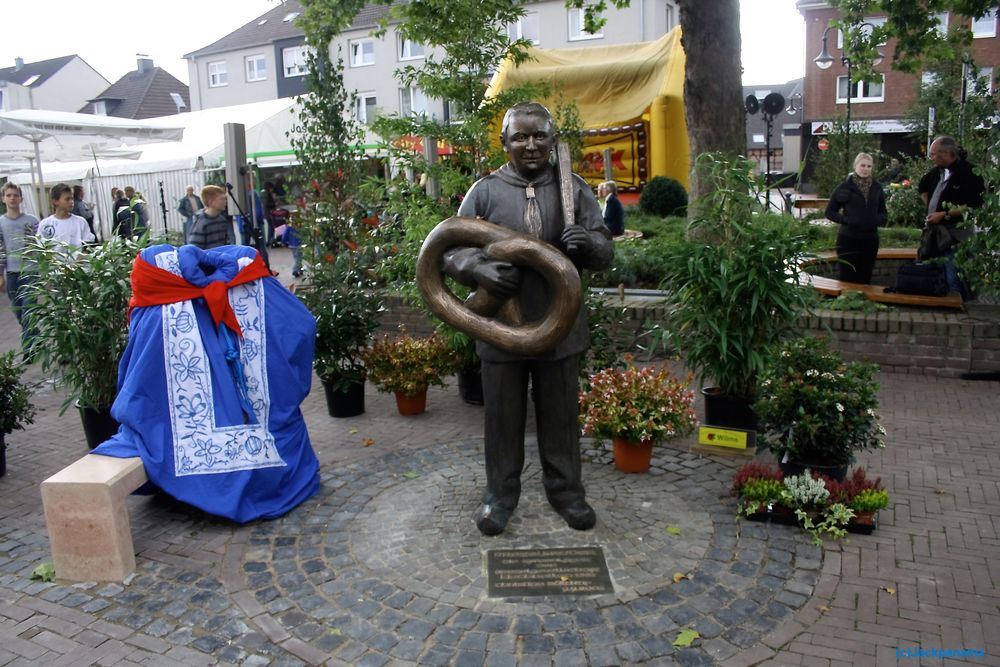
x=411, y=405
x=632, y=456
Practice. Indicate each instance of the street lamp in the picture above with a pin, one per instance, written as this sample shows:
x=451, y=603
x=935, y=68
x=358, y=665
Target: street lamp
x=824, y=60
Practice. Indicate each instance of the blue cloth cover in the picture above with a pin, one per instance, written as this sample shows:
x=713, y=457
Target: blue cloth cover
x=181, y=407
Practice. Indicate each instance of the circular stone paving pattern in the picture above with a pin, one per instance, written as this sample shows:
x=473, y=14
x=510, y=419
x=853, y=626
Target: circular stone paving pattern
x=385, y=564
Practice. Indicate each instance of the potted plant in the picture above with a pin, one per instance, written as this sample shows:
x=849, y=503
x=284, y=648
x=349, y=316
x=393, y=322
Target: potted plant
x=407, y=365
x=16, y=409
x=809, y=498
x=732, y=288
x=815, y=411
x=344, y=300
x=757, y=485
x=635, y=408
x=78, y=324
x=864, y=496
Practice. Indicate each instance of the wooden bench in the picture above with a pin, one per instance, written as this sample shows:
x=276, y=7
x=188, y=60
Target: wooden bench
x=87, y=519
x=834, y=287
x=810, y=203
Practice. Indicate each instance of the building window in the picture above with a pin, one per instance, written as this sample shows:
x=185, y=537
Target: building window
x=294, y=60
x=980, y=81
x=876, y=21
x=526, y=27
x=100, y=108
x=929, y=79
x=365, y=109
x=671, y=16
x=217, y=74
x=576, y=30
x=456, y=114
x=362, y=52
x=862, y=91
x=942, y=22
x=758, y=138
x=412, y=102
x=409, y=50
x=986, y=26
x=256, y=67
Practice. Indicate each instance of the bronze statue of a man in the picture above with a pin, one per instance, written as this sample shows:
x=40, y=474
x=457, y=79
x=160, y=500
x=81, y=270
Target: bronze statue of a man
x=524, y=196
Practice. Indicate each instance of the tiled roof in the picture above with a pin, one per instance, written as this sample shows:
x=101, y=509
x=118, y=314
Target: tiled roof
x=43, y=69
x=262, y=30
x=271, y=26
x=140, y=95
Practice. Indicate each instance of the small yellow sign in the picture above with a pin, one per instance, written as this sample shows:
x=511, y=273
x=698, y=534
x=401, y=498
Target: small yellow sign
x=714, y=436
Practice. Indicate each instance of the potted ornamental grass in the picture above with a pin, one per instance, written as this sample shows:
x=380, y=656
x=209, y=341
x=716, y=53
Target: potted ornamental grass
x=16, y=409
x=732, y=288
x=78, y=319
x=816, y=411
x=636, y=408
x=407, y=365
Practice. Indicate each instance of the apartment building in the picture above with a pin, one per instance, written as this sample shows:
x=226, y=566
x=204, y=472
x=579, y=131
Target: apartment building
x=265, y=59
x=877, y=106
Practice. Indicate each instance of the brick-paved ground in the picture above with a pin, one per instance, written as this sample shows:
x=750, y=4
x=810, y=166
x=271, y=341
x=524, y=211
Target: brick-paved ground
x=313, y=587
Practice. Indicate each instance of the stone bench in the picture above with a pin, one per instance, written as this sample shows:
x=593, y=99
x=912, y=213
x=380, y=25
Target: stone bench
x=87, y=519
x=877, y=293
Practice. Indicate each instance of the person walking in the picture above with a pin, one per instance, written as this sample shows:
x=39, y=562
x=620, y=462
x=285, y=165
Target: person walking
x=858, y=204
x=188, y=206
x=15, y=228
x=951, y=189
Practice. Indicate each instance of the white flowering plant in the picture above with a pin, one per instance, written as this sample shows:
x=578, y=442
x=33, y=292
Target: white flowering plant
x=808, y=495
x=637, y=404
x=816, y=408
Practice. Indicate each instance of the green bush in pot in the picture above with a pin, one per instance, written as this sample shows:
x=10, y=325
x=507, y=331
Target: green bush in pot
x=732, y=285
x=78, y=316
x=816, y=410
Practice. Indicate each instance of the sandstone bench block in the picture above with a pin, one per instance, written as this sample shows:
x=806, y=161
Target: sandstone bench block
x=87, y=518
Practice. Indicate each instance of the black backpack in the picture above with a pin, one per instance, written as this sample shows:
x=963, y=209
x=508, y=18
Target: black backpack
x=925, y=279
x=123, y=221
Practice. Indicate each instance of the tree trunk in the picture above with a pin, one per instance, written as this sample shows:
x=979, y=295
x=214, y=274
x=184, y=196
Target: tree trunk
x=713, y=90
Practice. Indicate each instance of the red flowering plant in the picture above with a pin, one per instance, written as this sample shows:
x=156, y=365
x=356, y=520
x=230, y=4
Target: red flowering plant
x=408, y=364
x=637, y=404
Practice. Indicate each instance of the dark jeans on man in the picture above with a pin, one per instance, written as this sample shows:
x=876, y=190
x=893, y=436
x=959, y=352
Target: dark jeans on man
x=955, y=283
x=555, y=388
x=18, y=303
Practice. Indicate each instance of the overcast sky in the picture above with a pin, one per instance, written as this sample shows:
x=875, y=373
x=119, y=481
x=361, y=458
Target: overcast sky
x=109, y=33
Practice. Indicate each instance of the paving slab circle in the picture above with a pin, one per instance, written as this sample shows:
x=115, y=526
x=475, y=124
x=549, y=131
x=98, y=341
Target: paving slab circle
x=386, y=565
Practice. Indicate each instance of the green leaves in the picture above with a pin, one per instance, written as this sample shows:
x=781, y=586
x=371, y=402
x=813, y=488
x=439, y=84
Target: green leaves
x=45, y=572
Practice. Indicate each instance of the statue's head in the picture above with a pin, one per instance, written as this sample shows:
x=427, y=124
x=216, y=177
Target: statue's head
x=528, y=135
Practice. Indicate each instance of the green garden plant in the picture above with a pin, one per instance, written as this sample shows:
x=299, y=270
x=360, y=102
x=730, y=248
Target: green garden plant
x=16, y=409
x=664, y=197
x=79, y=316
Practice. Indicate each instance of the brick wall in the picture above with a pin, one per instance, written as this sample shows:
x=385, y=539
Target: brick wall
x=906, y=341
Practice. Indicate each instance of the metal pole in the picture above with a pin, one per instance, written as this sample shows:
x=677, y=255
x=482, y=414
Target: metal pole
x=847, y=133
x=41, y=179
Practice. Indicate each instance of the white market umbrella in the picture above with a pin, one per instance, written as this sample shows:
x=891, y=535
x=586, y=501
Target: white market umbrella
x=60, y=136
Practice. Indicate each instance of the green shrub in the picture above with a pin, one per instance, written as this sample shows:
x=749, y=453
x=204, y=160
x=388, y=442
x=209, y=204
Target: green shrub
x=663, y=196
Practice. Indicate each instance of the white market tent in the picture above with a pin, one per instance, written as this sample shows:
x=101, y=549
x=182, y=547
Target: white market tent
x=174, y=165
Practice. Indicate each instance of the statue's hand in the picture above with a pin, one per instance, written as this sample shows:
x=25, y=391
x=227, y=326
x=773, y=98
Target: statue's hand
x=501, y=278
x=577, y=241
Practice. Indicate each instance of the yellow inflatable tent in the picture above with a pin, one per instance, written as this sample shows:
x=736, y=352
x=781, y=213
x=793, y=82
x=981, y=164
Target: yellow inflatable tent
x=630, y=99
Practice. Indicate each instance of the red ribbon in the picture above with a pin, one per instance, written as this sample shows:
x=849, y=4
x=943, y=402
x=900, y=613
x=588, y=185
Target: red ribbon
x=153, y=286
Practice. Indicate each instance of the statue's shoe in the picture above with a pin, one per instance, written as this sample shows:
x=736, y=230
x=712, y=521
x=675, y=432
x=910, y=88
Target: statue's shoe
x=578, y=514
x=491, y=519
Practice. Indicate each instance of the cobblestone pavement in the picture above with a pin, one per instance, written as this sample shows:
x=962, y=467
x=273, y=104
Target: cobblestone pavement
x=384, y=565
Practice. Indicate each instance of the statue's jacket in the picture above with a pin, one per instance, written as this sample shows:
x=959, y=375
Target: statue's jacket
x=500, y=198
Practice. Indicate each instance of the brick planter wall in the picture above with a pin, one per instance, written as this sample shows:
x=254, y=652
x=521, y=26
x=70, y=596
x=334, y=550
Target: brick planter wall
x=900, y=340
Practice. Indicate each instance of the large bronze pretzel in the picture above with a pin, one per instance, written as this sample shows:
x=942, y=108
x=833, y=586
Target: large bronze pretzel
x=485, y=316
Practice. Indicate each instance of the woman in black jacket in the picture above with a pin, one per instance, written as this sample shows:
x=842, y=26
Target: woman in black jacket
x=858, y=204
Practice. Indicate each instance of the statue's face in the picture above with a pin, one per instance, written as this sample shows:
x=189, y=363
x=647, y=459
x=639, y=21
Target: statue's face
x=528, y=143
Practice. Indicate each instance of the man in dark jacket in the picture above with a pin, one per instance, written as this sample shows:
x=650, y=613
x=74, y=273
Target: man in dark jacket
x=187, y=206
x=614, y=212
x=950, y=190
x=524, y=196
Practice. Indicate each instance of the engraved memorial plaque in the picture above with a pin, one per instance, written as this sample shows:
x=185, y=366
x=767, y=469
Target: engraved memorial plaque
x=532, y=572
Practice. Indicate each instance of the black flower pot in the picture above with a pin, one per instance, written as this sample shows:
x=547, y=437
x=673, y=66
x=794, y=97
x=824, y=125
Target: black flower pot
x=344, y=403
x=728, y=411
x=98, y=424
x=470, y=383
x=835, y=472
